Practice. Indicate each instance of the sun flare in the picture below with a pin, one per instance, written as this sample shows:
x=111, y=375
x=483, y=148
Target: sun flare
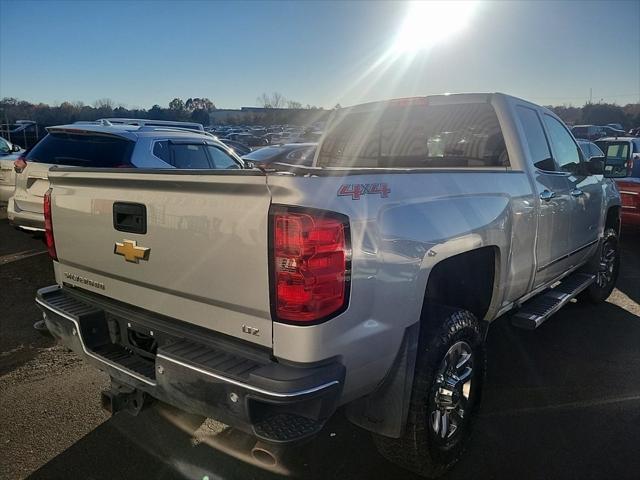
x=428, y=23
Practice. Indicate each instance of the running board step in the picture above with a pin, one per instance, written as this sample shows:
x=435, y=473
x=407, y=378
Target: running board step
x=535, y=311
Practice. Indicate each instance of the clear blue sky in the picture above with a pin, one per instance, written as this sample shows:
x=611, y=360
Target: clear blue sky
x=142, y=53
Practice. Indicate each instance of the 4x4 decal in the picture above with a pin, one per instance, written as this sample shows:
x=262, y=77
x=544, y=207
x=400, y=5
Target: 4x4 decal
x=357, y=190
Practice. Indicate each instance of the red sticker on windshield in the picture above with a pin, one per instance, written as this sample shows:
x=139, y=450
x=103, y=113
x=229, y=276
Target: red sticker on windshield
x=357, y=190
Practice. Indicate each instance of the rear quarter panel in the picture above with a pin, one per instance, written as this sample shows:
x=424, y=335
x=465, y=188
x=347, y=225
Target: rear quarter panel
x=396, y=241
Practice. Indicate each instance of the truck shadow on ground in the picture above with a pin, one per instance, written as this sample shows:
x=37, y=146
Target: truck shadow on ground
x=559, y=402
x=18, y=311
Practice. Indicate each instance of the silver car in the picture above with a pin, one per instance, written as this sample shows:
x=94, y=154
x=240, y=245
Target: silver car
x=103, y=144
x=9, y=152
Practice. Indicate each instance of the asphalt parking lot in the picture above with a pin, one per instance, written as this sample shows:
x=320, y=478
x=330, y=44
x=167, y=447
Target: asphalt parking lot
x=560, y=402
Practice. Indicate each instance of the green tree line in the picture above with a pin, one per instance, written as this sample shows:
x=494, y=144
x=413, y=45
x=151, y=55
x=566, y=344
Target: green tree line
x=192, y=109
x=198, y=110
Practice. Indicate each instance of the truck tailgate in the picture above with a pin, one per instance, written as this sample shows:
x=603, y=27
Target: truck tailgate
x=206, y=235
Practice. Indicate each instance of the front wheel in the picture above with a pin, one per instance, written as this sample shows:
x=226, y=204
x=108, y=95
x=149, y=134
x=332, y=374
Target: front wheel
x=448, y=379
x=606, y=266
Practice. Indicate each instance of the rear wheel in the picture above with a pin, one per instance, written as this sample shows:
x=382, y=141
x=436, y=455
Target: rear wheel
x=447, y=384
x=606, y=266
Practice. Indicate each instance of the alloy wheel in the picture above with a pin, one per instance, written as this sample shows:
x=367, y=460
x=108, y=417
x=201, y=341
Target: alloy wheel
x=452, y=390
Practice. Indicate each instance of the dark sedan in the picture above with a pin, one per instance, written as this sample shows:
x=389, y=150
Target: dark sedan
x=291, y=153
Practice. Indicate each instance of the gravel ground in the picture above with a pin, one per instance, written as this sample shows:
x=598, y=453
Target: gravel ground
x=560, y=402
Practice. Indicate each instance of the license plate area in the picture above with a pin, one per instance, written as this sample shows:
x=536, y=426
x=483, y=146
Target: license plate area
x=131, y=347
x=136, y=338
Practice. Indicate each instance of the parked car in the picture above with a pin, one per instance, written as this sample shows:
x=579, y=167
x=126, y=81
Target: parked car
x=250, y=140
x=95, y=145
x=624, y=156
x=294, y=154
x=614, y=132
x=237, y=147
x=369, y=282
x=8, y=154
x=24, y=133
x=594, y=132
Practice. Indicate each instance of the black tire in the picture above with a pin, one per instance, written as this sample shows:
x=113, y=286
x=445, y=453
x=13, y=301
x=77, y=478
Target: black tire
x=421, y=449
x=606, y=266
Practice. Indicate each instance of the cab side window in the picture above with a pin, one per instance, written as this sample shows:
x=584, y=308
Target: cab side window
x=536, y=139
x=566, y=151
x=180, y=155
x=189, y=156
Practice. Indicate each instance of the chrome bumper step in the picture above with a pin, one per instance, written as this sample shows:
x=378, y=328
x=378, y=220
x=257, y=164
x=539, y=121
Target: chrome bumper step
x=534, y=312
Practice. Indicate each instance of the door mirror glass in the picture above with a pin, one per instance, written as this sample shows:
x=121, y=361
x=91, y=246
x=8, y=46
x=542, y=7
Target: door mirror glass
x=15, y=148
x=595, y=165
x=617, y=158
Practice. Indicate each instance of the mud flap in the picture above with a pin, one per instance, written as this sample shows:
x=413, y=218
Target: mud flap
x=385, y=410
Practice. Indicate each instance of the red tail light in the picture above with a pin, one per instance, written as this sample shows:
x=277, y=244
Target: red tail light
x=48, y=226
x=19, y=165
x=311, y=264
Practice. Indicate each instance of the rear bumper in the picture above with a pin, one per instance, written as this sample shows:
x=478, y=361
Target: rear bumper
x=194, y=370
x=24, y=218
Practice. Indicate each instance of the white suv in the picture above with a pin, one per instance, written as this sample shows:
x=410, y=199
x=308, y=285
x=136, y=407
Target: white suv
x=106, y=144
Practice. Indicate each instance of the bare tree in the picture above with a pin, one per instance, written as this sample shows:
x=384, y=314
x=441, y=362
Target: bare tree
x=104, y=103
x=275, y=100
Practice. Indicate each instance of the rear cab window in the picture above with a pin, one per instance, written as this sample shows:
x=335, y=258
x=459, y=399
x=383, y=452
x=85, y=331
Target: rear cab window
x=414, y=134
x=617, y=155
x=82, y=150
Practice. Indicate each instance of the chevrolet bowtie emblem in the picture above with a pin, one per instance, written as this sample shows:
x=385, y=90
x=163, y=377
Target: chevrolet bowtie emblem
x=131, y=251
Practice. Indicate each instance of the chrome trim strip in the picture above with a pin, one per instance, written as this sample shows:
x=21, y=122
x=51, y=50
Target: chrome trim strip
x=626, y=192
x=564, y=257
x=244, y=385
x=90, y=354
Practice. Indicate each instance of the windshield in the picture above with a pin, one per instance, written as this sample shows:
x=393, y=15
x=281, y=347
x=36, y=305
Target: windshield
x=82, y=150
x=416, y=136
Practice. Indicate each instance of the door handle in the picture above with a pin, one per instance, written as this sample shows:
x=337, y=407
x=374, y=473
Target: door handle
x=130, y=217
x=576, y=192
x=547, y=195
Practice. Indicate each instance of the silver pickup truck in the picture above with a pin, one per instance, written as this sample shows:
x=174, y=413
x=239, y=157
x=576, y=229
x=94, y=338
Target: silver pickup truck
x=267, y=299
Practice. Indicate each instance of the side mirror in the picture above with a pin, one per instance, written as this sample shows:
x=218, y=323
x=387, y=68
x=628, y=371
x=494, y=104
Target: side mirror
x=595, y=165
x=15, y=148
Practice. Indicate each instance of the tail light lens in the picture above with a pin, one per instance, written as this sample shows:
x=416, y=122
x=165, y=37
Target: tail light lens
x=311, y=264
x=48, y=226
x=19, y=165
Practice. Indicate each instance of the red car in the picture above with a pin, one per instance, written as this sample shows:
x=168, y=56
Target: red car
x=627, y=149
